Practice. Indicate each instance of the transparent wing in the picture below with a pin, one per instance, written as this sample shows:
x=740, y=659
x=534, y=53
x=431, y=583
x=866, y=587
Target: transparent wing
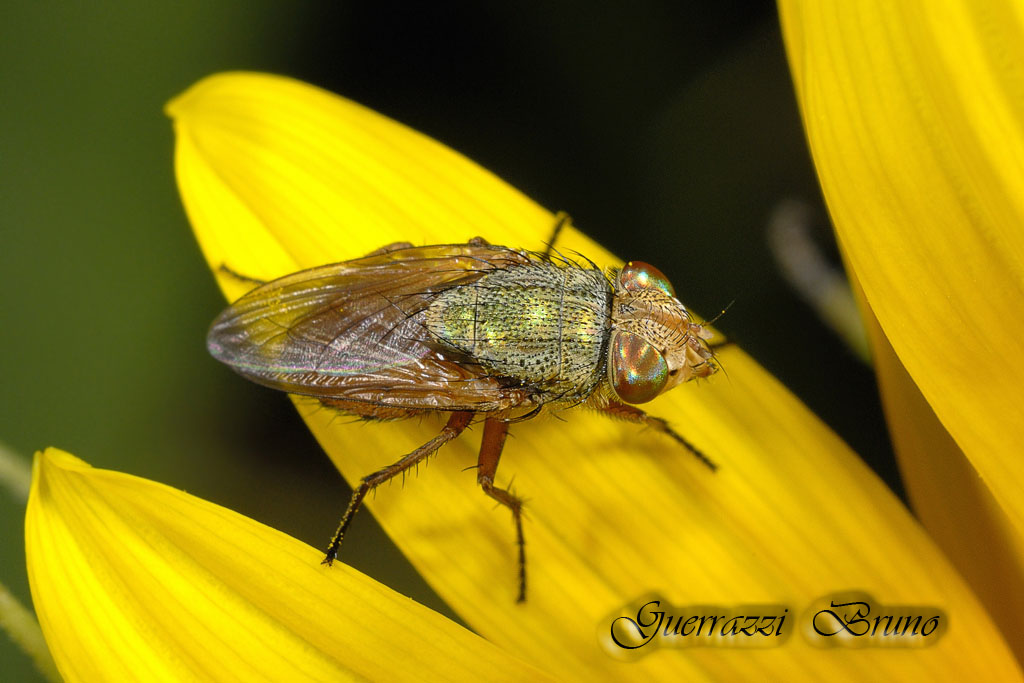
x=353, y=332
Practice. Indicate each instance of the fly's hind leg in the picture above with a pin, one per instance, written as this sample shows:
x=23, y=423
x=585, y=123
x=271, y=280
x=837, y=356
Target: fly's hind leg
x=224, y=268
x=457, y=423
x=624, y=411
x=388, y=248
x=491, y=445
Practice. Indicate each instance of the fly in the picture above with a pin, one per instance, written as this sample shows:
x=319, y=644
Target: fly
x=473, y=330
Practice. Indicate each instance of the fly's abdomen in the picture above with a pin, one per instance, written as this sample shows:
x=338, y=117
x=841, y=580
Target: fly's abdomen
x=540, y=324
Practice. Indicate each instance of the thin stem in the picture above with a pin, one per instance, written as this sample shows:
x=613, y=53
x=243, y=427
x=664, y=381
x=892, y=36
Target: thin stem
x=822, y=285
x=15, y=473
x=20, y=624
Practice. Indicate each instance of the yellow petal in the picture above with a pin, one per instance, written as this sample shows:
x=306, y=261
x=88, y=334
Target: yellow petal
x=951, y=500
x=328, y=195
x=133, y=580
x=613, y=512
x=915, y=116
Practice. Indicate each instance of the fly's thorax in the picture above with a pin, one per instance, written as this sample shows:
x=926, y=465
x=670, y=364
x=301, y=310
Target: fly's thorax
x=654, y=344
x=541, y=325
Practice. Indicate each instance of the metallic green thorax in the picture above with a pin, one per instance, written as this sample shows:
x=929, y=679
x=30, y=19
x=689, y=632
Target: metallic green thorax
x=543, y=325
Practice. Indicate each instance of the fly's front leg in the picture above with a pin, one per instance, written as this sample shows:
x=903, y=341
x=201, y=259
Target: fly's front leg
x=493, y=441
x=457, y=423
x=624, y=411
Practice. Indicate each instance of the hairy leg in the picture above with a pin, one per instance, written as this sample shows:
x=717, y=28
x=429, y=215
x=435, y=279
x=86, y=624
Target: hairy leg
x=491, y=445
x=457, y=423
x=624, y=411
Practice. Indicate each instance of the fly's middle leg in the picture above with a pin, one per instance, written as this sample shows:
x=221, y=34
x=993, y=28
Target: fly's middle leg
x=491, y=445
x=624, y=411
x=562, y=219
x=457, y=423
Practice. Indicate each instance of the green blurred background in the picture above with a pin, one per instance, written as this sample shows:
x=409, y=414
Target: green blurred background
x=667, y=129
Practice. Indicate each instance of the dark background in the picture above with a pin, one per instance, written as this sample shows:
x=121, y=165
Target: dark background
x=667, y=129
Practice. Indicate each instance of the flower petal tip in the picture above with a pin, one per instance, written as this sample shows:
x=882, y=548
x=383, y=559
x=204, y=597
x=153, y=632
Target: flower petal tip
x=54, y=458
x=208, y=88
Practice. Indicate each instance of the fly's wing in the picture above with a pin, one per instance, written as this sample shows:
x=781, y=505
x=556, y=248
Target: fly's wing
x=350, y=332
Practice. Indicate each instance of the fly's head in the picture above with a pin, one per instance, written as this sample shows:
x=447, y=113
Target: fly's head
x=654, y=344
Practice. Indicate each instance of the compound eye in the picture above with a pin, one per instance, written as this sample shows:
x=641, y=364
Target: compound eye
x=636, y=371
x=637, y=275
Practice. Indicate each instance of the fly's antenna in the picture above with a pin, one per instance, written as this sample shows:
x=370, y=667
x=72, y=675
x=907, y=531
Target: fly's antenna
x=723, y=342
x=720, y=314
